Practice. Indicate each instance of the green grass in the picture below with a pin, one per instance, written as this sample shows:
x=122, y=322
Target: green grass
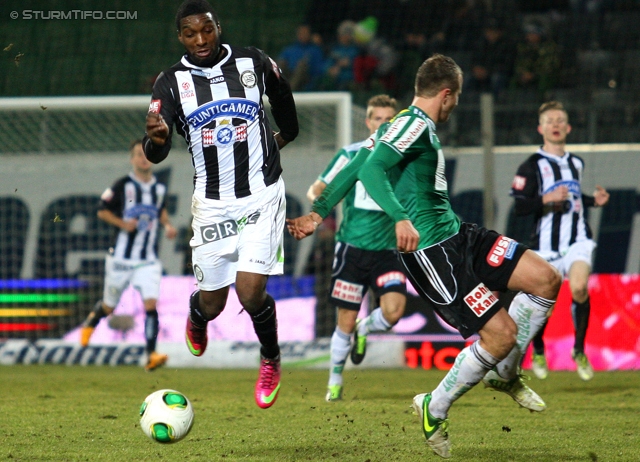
x=60, y=413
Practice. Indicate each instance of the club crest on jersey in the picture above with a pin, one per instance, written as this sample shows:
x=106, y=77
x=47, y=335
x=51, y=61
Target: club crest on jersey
x=480, y=299
x=155, y=106
x=226, y=108
x=248, y=79
x=223, y=135
x=347, y=291
x=504, y=247
x=197, y=271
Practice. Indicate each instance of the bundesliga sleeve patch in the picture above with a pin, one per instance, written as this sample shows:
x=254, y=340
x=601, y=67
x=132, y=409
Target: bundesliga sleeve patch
x=107, y=195
x=155, y=106
x=504, y=247
x=519, y=182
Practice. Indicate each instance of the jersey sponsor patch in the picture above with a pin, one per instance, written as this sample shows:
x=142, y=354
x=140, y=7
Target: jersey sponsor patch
x=519, y=182
x=223, y=135
x=480, y=299
x=225, y=108
x=217, y=231
x=347, y=291
x=155, y=106
x=392, y=278
x=217, y=79
x=504, y=247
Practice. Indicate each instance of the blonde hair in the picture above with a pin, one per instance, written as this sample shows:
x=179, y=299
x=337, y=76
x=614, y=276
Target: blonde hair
x=381, y=101
x=551, y=106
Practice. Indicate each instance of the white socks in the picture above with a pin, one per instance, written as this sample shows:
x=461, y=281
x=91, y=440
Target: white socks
x=373, y=323
x=471, y=364
x=340, y=347
x=530, y=313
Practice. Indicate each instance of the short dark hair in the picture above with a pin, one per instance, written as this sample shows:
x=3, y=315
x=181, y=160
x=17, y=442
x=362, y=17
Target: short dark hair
x=437, y=73
x=134, y=143
x=191, y=7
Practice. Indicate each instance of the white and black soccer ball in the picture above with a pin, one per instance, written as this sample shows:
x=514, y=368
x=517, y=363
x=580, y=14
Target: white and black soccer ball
x=166, y=416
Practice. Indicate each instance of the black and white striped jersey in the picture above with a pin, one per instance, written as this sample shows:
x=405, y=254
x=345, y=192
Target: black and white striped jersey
x=557, y=225
x=130, y=198
x=220, y=113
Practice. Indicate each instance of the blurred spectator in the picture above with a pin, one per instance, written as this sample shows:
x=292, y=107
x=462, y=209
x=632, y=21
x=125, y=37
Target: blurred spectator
x=339, y=65
x=492, y=60
x=543, y=6
x=537, y=62
x=374, y=68
x=303, y=61
x=461, y=26
x=324, y=16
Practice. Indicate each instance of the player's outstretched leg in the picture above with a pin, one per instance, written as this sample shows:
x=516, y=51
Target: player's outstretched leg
x=340, y=346
x=359, y=348
x=268, y=384
x=196, y=332
x=265, y=326
x=435, y=430
x=516, y=388
x=151, y=326
x=89, y=325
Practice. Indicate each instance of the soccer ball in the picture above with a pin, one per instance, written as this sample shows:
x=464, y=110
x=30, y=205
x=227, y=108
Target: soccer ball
x=166, y=416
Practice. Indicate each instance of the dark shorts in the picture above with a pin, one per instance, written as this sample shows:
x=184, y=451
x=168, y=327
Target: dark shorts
x=457, y=277
x=356, y=270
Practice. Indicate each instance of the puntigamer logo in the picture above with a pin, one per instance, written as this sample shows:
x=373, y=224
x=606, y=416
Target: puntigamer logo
x=240, y=108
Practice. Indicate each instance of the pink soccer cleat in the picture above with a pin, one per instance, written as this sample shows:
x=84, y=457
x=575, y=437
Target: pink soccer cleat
x=268, y=384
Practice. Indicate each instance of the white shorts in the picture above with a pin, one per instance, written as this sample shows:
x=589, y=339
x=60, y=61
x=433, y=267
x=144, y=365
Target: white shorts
x=143, y=275
x=578, y=251
x=244, y=234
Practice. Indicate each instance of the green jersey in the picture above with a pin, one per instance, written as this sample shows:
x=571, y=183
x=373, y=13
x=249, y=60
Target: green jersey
x=404, y=174
x=420, y=194
x=364, y=224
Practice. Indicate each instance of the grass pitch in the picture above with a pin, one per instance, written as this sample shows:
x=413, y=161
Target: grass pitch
x=60, y=413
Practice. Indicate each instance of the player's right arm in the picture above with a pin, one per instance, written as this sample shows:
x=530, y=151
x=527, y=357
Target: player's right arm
x=159, y=123
x=525, y=189
x=110, y=209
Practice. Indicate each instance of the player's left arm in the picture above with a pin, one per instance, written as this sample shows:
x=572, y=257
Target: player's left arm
x=600, y=198
x=373, y=175
x=283, y=106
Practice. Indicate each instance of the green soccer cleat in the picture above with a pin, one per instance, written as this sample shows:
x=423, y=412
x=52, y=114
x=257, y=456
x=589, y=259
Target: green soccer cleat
x=435, y=430
x=334, y=393
x=583, y=367
x=359, y=348
x=539, y=366
x=521, y=394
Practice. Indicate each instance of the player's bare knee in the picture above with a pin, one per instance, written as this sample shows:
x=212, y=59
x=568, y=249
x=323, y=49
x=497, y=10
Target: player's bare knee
x=550, y=281
x=580, y=293
x=392, y=314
